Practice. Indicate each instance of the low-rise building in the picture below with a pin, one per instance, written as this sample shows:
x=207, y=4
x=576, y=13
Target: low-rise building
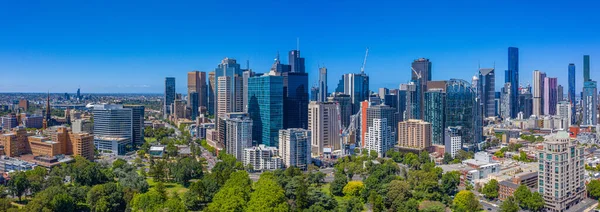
x=262, y=158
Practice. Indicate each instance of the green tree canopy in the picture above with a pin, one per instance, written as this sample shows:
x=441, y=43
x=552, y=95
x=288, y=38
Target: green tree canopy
x=490, y=190
x=466, y=201
x=234, y=195
x=353, y=188
x=268, y=196
x=509, y=205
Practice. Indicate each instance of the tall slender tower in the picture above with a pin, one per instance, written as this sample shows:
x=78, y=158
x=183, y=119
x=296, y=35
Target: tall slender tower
x=572, y=92
x=586, y=68
x=512, y=76
x=47, y=116
x=421, y=71
x=538, y=92
x=322, y=97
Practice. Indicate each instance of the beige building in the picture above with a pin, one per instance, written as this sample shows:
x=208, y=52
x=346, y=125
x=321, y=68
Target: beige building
x=414, y=134
x=59, y=141
x=324, y=125
x=561, y=172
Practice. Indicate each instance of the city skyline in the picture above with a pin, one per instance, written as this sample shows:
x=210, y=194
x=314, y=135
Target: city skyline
x=142, y=56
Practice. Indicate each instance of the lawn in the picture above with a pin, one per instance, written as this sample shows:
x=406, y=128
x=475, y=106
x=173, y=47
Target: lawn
x=150, y=139
x=171, y=187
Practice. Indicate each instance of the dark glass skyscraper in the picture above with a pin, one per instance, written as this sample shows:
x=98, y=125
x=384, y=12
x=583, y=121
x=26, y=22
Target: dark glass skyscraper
x=460, y=99
x=169, y=96
x=357, y=86
x=512, y=76
x=296, y=62
x=435, y=103
x=322, y=97
x=590, y=103
x=295, y=100
x=421, y=71
x=265, y=106
x=487, y=79
x=571, y=92
x=586, y=68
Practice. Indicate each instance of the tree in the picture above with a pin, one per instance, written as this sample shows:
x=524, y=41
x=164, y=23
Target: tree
x=353, y=204
x=398, y=192
x=466, y=201
x=447, y=158
x=593, y=189
x=149, y=201
x=63, y=202
x=234, y=195
x=337, y=186
x=174, y=205
x=450, y=182
x=296, y=190
x=53, y=198
x=320, y=200
x=194, y=198
x=411, y=205
x=5, y=204
x=462, y=155
x=316, y=177
x=536, y=202
x=490, y=190
x=106, y=197
x=119, y=163
x=185, y=169
x=509, y=205
x=376, y=202
x=87, y=173
x=18, y=184
x=171, y=149
x=268, y=196
x=522, y=194
x=353, y=188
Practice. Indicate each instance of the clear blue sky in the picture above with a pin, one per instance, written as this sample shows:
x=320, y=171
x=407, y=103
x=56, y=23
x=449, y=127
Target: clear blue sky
x=130, y=46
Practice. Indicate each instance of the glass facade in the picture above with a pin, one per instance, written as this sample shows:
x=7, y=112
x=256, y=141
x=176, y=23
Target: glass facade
x=265, y=106
x=571, y=93
x=590, y=103
x=487, y=78
x=295, y=100
x=460, y=99
x=169, y=95
x=512, y=76
x=435, y=101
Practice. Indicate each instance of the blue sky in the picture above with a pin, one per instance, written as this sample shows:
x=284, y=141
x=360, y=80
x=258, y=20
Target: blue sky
x=130, y=46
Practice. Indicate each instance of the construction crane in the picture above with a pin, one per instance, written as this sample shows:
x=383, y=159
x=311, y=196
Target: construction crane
x=416, y=73
x=362, y=69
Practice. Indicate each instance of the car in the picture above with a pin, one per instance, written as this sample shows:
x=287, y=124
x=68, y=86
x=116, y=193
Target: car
x=489, y=209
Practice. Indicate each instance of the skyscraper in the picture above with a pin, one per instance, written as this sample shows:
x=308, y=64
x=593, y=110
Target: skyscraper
x=421, y=71
x=401, y=98
x=487, y=78
x=526, y=101
x=265, y=106
x=412, y=109
x=295, y=148
x=572, y=100
x=435, y=103
x=324, y=125
x=246, y=75
x=196, y=82
x=322, y=97
x=382, y=112
x=224, y=101
x=345, y=105
x=230, y=68
x=295, y=99
x=357, y=86
x=561, y=172
x=512, y=76
x=296, y=62
x=538, y=92
x=590, y=103
x=460, y=99
x=560, y=93
x=563, y=110
x=586, y=68
x=550, y=95
x=137, y=123
x=193, y=104
x=379, y=137
x=212, y=95
x=506, y=101
x=169, y=97
x=238, y=131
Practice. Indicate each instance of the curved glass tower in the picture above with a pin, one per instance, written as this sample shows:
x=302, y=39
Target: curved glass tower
x=460, y=98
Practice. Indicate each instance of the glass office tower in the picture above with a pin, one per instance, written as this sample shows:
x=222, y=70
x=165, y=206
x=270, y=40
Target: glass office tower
x=265, y=106
x=460, y=99
x=435, y=102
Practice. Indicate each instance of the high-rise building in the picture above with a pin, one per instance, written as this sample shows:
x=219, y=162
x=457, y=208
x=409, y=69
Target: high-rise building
x=345, y=105
x=526, y=101
x=590, y=103
x=295, y=99
x=296, y=62
x=322, y=97
x=487, y=78
x=113, y=128
x=412, y=109
x=324, y=125
x=435, y=104
x=391, y=100
x=212, y=95
x=452, y=140
x=314, y=94
x=401, y=97
x=414, y=134
x=382, y=92
x=262, y=158
x=460, y=99
x=137, y=124
x=82, y=126
x=506, y=101
x=421, y=72
x=238, y=131
x=230, y=68
x=169, y=95
x=379, y=137
x=512, y=76
x=383, y=112
x=246, y=75
x=563, y=110
x=196, y=82
x=224, y=101
x=357, y=86
x=561, y=172
x=586, y=68
x=9, y=121
x=193, y=105
x=571, y=94
x=24, y=104
x=550, y=95
x=82, y=145
x=265, y=106
x=295, y=148
x=538, y=92
x=560, y=93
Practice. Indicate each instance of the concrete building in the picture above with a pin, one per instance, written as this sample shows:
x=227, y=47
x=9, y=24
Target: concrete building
x=322, y=96
x=33, y=121
x=212, y=95
x=262, y=158
x=550, y=95
x=561, y=172
x=538, y=92
x=238, y=133
x=295, y=148
x=345, y=105
x=379, y=137
x=82, y=126
x=564, y=112
x=382, y=112
x=196, y=84
x=414, y=134
x=324, y=125
x=24, y=104
x=9, y=121
x=452, y=140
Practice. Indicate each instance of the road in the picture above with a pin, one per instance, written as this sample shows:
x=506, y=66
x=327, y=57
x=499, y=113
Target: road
x=177, y=131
